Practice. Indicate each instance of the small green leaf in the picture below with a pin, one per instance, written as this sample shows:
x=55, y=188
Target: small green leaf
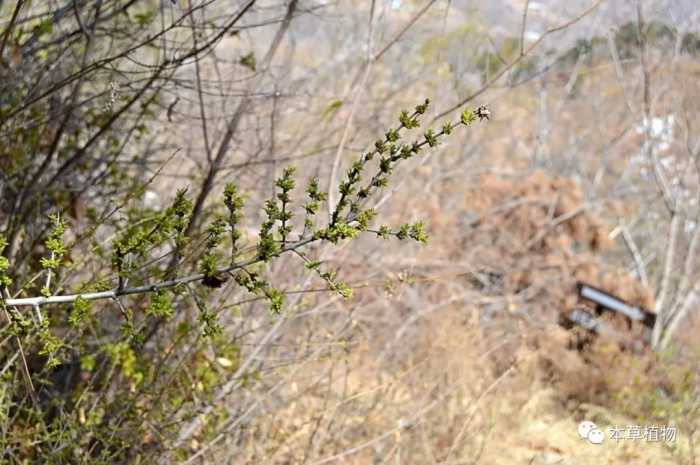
x=80, y=313
x=44, y=27
x=248, y=61
x=332, y=108
x=161, y=305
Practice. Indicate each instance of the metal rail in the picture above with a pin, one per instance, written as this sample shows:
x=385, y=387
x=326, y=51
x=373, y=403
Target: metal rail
x=610, y=302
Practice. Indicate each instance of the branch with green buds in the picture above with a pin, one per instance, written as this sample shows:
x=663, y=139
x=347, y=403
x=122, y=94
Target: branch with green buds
x=349, y=219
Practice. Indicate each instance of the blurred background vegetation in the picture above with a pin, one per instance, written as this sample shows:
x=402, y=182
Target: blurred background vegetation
x=124, y=124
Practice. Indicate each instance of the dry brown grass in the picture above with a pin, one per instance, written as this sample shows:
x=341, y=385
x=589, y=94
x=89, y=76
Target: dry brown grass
x=453, y=355
x=420, y=378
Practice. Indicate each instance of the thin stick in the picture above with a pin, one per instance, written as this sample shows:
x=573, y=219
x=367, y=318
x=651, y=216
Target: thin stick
x=363, y=73
x=636, y=255
x=522, y=27
x=25, y=367
x=147, y=288
x=348, y=123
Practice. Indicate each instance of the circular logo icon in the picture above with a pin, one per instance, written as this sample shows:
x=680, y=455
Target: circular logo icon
x=596, y=436
x=588, y=430
x=585, y=428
